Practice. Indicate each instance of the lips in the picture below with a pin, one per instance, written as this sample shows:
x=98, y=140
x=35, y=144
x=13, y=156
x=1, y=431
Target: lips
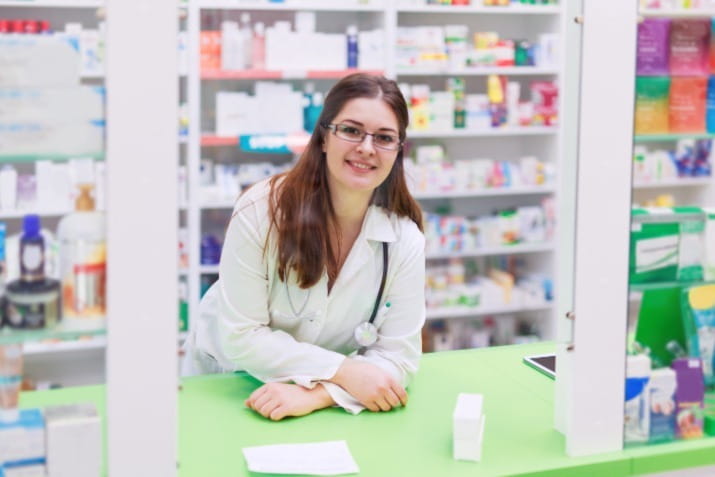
x=360, y=166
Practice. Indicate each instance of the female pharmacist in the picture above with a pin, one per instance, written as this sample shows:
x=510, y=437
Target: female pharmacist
x=321, y=281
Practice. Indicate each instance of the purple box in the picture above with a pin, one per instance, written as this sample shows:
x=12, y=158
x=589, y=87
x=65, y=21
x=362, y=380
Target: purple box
x=653, y=47
x=689, y=397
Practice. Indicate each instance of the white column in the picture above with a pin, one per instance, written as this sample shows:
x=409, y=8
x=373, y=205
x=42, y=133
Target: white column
x=142, y=152
x=594, y=408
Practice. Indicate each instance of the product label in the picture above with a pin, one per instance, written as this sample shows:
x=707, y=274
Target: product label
x=32, y=256
x=656, y=253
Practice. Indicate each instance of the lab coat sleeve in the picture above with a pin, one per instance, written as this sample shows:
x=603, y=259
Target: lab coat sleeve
x=244, y=337
x=399, y=345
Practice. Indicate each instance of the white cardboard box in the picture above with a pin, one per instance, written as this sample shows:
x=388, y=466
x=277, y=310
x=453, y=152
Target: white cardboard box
x=74, y=441
x=468, y=427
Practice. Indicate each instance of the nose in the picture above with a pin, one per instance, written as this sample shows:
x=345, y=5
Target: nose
x=366, y=146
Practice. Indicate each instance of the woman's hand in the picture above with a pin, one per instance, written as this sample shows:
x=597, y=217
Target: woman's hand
x=278, y=400
x=374, y=387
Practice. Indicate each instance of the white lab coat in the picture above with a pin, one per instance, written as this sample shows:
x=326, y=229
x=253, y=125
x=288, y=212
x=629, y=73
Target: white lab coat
x=246, y=321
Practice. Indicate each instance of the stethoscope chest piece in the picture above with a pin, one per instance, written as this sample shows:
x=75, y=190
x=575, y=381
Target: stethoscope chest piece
x=366, y=334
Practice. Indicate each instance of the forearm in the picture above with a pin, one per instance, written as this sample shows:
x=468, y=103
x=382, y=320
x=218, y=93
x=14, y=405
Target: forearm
x=321, y=397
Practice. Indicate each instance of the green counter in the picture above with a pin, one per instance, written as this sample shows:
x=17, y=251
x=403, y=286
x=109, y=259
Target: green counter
x=416, y=441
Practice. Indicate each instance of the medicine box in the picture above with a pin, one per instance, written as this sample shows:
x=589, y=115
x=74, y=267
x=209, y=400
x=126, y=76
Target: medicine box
x=468, y=429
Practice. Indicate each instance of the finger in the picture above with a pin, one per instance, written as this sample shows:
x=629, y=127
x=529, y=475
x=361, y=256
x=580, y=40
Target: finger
x=371, y=406
x=392, y=399
x=401, y=393
x=256, y=394
x=383, y=404
x=268, y=408
x=278, y=413
x=261, y=401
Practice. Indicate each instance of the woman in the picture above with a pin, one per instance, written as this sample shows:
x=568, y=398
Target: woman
x=314, y=255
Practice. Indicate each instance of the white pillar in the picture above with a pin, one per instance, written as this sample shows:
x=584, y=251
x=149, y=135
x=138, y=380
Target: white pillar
x=142, y=152
x=595, y=369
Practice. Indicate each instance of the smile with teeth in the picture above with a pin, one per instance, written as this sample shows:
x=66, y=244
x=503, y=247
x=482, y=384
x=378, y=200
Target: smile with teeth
x=361, y=165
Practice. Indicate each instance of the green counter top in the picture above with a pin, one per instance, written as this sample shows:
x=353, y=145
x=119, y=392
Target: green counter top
x=519, y=438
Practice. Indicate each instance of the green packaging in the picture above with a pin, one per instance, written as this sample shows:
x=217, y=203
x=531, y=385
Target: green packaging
x=653, y=248
x=652, y=104
x=667, y=245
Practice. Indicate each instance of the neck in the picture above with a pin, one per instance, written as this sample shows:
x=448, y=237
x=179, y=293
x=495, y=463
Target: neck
x=350, y=208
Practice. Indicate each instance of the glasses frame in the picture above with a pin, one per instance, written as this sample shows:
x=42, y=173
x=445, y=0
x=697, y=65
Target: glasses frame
x=334, y=128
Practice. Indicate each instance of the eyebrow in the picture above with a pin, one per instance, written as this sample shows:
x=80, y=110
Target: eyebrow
x=358, y=123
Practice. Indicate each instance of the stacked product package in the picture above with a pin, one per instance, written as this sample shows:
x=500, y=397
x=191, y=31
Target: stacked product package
x=43, y=108
x=675, y=92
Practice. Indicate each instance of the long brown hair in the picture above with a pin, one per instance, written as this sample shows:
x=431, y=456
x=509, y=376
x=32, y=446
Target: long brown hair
x=300, y=208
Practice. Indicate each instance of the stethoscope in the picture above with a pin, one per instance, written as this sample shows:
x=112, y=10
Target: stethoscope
x=365, y=333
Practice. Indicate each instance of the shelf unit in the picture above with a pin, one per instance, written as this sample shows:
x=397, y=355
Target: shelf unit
x=409, y=7
x=677, y=13
x=505, y=143
x=88, y=13
x=466, y=312
x=528, y=21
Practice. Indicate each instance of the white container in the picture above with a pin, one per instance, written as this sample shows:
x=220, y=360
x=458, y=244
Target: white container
x=468, y=427
x=8, y=187
x=81, y=236
x=637, y=409
x=74, y=436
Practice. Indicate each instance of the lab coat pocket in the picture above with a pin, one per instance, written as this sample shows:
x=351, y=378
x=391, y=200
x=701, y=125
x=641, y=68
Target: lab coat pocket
x=287, y=321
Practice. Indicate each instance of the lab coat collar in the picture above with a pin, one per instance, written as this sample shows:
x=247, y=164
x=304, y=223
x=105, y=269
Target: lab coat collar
x=378, y=225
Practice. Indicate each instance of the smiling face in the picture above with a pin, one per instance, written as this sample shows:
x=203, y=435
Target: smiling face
x=360, y=167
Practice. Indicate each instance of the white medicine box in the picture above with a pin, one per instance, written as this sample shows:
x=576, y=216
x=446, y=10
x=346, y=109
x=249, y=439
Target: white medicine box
x=468, y=429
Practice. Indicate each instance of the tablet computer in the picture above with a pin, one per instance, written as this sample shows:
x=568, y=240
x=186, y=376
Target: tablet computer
x=543, y=363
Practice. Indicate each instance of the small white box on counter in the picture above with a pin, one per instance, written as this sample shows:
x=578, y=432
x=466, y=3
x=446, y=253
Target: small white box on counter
x=74, y=441
x=468, y=427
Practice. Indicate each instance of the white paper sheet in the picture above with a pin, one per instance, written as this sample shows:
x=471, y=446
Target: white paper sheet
x=316, y=458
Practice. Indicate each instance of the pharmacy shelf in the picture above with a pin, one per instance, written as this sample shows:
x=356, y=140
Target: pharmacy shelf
x=78, y=345
x=471, y=9
x=209, y=269
x=677, y=13
x=494, y=132
x=53, y=3
x=467, y=312
x=216, y=204
x=643, y=287
x=81, y=344
x=48, y=157
x=10, y=335
x=480, y=71
x=300, y=5
x=286, y=74
x=671, y=137
x=18, y=214
x=209, y=140
x=681, y=182
x=493, y=192
x=489, y=251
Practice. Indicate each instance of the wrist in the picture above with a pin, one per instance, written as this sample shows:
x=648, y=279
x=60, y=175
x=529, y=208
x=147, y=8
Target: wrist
x=322, y=397
x=339, y=376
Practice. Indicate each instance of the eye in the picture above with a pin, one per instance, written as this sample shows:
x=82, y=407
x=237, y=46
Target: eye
x=349, y=130
x=385, y=139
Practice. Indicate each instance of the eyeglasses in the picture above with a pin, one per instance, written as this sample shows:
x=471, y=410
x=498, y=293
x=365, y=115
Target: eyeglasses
x=346, y=132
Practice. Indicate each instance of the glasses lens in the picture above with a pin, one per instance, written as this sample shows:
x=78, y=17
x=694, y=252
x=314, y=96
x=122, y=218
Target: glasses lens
x=349, y=133
x=386, y=141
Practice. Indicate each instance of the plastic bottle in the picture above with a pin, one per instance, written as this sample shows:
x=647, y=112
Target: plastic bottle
x=83, y=263
x=258, y=54
x=497, y=106
x=32, y=250
x=308, y=91
x=247, y=41
x=352, y=37
x=314, y=111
